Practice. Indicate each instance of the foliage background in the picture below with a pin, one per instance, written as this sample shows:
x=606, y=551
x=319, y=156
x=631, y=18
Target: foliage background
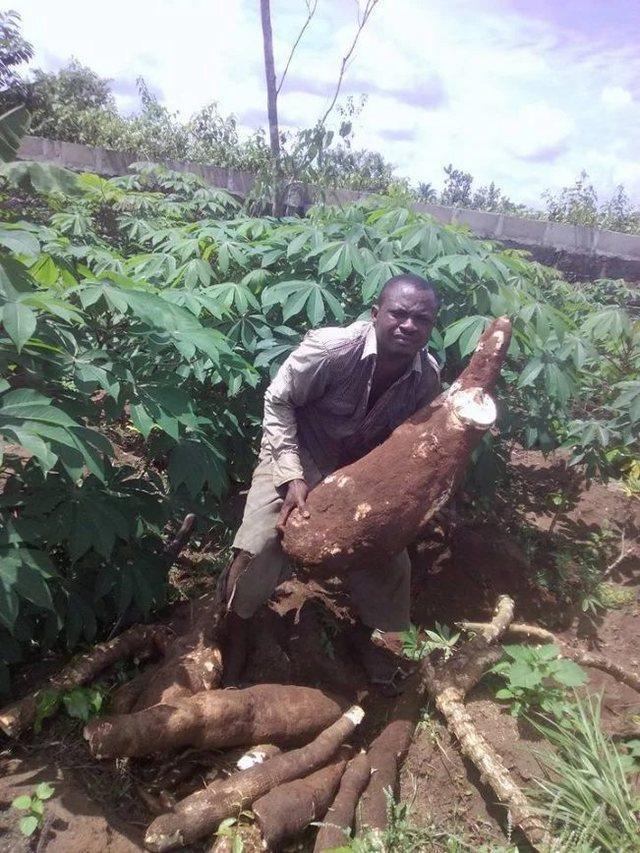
x=142, y=317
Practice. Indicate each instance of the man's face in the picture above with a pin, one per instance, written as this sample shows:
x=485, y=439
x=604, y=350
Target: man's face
x=404, y=320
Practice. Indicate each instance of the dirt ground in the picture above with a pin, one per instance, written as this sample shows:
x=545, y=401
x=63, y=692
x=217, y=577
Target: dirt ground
x=459, y=571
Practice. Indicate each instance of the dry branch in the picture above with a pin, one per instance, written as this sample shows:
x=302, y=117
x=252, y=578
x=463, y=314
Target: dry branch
x=533, y=633
x=338, y=821
x=138, y=640
x=490, y=765
x=448, y=688
x=358, y=517
x=264, y=713
x=288, y=809
x=199, y=814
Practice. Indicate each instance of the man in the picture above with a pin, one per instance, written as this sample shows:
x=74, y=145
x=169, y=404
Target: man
x=338, y=395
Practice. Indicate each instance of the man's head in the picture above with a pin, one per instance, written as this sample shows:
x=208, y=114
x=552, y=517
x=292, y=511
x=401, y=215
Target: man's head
x=404, y=316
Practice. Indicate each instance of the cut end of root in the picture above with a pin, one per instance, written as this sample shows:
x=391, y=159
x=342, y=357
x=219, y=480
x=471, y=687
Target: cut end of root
x=355, y=714
x=250, y=759
x=163, y=842
x=473, y=407
x=7, y=726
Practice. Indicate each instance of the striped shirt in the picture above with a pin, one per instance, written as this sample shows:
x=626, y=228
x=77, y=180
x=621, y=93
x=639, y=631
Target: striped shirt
x=315, y=410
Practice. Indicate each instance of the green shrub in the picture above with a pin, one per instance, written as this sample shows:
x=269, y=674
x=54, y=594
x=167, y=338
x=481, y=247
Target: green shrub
x=537, y=679
x=141, y=319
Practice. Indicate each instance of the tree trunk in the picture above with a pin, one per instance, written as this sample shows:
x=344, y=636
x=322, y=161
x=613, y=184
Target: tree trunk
x=272, y=107
x=370, y=510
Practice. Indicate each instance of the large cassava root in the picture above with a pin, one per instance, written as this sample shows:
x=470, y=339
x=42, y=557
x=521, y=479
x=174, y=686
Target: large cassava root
x=272, y=713
x=357, y=516
x=386, y=755
x=200, y=813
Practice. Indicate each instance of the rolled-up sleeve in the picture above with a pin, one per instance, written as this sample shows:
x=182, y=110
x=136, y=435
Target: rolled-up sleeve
x=303, y=377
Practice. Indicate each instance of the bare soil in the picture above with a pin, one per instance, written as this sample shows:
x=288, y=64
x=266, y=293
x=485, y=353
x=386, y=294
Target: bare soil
x=459, y=571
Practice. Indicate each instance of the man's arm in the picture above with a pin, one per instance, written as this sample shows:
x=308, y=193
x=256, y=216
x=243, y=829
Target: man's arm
x=302, y=378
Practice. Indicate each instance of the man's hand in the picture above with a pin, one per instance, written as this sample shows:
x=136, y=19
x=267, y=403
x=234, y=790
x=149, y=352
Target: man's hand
x=296, y=497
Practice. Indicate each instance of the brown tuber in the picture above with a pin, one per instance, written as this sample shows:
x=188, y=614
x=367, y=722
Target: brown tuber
x=338, y=821
x=273, y=713
x=199, y=814
x=359, y=516
x=289, y=809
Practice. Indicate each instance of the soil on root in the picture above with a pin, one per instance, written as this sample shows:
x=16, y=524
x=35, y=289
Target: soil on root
x=458, y=575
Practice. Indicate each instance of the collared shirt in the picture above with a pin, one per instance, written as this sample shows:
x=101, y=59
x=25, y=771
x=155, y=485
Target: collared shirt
x=316, y=407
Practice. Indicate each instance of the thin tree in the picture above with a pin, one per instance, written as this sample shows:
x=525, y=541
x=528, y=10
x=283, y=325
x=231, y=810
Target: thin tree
x=273, y=89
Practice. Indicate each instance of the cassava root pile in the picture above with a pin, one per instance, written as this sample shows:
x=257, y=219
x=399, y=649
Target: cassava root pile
x=200, y=813
x=359, y=516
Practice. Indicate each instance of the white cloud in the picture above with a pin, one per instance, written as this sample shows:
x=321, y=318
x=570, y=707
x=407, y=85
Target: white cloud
x=537, y=129
x=616, y=97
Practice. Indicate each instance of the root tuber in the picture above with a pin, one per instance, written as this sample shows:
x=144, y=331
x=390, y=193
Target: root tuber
x=199, y=814
x=289, y=809
x=357, y=518
x=137, y=640
x=338, y=821
x=386, y=754
x=210, y=720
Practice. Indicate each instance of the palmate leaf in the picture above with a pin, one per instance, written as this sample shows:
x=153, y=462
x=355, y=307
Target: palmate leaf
x=296, y=296
x=236, y=294
x=196, y=464
x=13, y=126
x=43, y=178
x=30, y=419
x=610, y=323
x=19, y=322
x=18, y=239
x=24, y=573
x=466, y=332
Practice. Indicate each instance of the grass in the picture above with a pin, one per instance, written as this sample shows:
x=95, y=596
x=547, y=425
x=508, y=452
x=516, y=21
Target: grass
x=586, y=793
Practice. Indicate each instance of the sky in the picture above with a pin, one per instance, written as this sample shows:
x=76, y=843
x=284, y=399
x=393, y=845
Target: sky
x=526, y=93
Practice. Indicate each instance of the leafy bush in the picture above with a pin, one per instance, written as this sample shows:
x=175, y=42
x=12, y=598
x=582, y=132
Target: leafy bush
x=142, y=317
x=536, y=680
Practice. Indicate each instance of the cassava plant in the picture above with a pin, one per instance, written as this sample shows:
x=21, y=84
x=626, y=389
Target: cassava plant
x=142, y=317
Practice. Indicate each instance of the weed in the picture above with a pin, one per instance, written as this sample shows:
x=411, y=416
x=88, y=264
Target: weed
x=586, y=794
x=536, y=679
x=402, y=835
x=81, y=703
x=231, y=828
x=630, y=482
x=614, y=596
x=33, y=804
x=442, y=639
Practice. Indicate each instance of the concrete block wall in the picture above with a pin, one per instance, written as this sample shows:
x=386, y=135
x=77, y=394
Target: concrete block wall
x=580, y=252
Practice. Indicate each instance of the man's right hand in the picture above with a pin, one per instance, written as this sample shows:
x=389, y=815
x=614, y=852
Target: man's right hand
x=297, y=491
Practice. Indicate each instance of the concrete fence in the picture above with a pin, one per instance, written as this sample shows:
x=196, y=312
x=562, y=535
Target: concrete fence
x=581, y=252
